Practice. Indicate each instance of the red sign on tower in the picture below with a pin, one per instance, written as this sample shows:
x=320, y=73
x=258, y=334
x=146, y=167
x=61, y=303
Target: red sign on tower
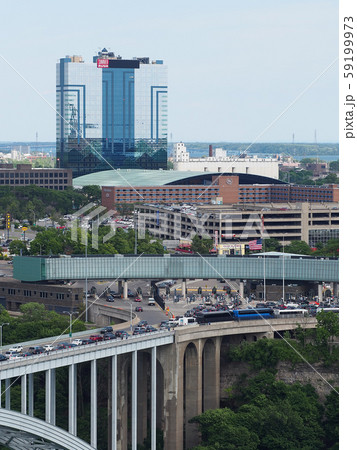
x=102, y=63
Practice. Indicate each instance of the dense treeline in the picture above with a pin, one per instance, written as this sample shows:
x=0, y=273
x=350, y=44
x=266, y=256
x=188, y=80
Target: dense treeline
x=54, y=242
x=33, y=202
x=263, y=413
x=35, y=323
x=330, y=249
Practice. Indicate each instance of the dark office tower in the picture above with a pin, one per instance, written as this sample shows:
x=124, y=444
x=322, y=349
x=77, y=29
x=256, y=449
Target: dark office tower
x=111, y=113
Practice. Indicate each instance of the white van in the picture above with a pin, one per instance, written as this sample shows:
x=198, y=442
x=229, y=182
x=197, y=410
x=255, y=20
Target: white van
x=186, y=321
x=151, y=302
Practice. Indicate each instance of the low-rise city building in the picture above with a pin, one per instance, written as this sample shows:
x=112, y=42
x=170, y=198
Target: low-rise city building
x=25, y=174
x=308, y=222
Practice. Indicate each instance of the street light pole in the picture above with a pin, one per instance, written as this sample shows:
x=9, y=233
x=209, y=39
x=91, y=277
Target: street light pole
x=283, y=269
x=135, y=232
x=1, y=334
x=70, y=313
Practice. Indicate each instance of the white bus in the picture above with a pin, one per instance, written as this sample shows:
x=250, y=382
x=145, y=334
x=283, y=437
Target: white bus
x=319, y=309
x=291, y=313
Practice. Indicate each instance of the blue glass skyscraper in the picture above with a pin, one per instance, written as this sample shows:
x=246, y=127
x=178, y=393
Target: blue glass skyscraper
x=111, y=113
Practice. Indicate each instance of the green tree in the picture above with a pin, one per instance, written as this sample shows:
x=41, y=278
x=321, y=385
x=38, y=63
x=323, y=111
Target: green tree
x=271, y=245
x=334, y=166
x=327, y=328
x=298, y=247
x=93, y=193
x=18, y=247
x=201, y=245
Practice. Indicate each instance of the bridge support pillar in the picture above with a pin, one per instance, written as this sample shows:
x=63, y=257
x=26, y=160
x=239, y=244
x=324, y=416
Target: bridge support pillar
x=134, y=399
x=319, y=292
x=142, y=397
x=335, y=288
x=183, y=290
x=7, y=393
x=120, y=287
x=114, y=398
x=153, y=397
x=93, y=403
x=125, y=292
x=24, y=394
x=72, y=399
x=51, y=396
x=241, y=289
x=30, y=394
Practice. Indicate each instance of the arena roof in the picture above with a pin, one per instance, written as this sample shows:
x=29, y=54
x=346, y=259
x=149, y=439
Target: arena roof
x=140, y=177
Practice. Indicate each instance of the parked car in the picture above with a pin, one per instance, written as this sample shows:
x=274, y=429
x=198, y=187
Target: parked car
x=130, y=293
x=110, y=299
x=96, y=337
x=139, y=309
x=137, y=299
x=16, y=348
x=106, y=330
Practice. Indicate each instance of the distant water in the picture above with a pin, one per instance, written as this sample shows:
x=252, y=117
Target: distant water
x=197, y=153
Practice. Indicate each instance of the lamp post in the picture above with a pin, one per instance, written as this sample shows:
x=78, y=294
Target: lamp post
x=70, y=313
x=135, y=232
x=283, y=269
x=1, y=334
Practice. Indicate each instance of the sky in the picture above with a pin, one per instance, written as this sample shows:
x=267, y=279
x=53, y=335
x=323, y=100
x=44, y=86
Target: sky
x=239, y=71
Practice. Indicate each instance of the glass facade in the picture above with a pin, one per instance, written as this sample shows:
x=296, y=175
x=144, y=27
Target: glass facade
x=111, y=113
x=29, y=268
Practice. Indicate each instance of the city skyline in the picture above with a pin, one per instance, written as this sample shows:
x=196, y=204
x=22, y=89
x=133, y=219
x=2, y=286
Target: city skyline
x=237, y=72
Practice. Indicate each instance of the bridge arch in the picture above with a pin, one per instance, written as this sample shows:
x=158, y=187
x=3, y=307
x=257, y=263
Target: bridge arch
x=190, y=393
x=12, y=420
x=210, y=374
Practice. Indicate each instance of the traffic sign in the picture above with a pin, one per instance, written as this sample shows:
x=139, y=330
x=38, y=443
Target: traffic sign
x=24, y=228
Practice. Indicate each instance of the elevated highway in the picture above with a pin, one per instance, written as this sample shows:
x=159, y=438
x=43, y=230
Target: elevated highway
x=167, y=377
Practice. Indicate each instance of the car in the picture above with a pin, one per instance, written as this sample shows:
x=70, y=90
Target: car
x=122, y=334
x=96, y=337
x=150, y=329
x=110, y=299
x=77, y=342
x=11, y=355
x=139, y=309
x=25, y=354
x=142, y=323
x=109, y=336
x=48, y=347
x=87, y=341
x=16, y=348
x=130, y=293
x=3, y=357
x=106, y=330
x=138, y=331
x=37, y=350
x=137, y=299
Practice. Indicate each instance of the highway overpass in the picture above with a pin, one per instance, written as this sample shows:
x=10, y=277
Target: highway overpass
x=122, y=267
